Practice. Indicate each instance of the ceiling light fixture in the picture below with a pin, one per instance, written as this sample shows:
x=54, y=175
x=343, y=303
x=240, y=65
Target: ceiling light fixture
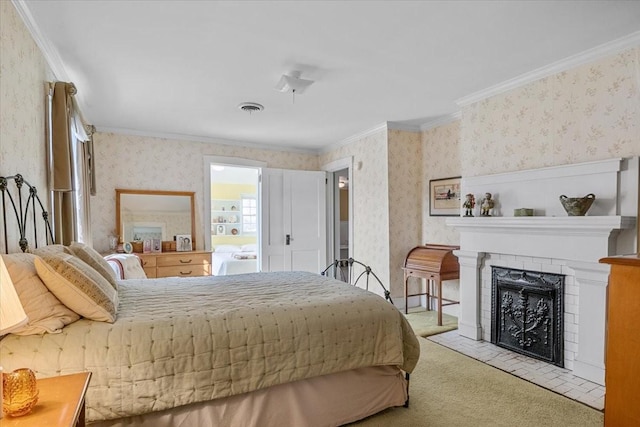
x=293, y=83
x=251, y=107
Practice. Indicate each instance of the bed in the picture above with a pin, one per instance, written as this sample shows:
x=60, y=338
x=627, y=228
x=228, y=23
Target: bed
x=259, y=349
x=231, y=259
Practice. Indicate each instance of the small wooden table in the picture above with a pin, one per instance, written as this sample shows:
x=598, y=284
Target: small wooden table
x=60, y=403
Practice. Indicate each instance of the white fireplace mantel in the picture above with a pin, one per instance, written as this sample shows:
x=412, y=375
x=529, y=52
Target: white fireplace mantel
x=572, y=244
x=579, y=238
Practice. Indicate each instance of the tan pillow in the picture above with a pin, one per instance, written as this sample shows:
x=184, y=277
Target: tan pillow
x=51, y=249
x=78, y=286
x=95, y=260
x=46, y=313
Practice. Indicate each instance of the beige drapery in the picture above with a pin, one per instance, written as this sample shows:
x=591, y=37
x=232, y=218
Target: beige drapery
x=71, y=171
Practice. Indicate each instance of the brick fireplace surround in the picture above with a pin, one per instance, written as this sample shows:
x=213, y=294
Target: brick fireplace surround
x=551, y=242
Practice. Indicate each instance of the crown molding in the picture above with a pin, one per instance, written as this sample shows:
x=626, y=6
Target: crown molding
x=441, y=121
x=403, y=127
x=353, y=138
x=591, y=55
x=206, y=139
x=50, y=53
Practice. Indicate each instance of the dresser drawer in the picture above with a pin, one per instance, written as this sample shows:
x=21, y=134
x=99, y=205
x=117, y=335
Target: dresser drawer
x=192, y=270
x=183, y=259
x=147, y=261
x=150, y=272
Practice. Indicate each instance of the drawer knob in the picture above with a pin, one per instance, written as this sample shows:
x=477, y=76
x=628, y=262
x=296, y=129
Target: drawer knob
x=185, y=262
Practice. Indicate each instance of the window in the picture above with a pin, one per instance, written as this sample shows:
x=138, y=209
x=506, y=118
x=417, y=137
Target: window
x=249, y=215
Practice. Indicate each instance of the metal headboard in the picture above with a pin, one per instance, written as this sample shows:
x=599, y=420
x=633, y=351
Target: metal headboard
x=21, y=211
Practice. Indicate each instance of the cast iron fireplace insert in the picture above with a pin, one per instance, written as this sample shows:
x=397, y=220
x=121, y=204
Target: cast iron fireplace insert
x=526, y=313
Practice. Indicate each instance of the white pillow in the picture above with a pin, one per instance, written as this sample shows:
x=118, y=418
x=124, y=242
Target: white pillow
x=227, y=248
x=46, y=313
x=131, y=266
x=250, y=247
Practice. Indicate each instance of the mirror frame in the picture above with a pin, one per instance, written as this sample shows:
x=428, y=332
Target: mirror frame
x=190, y=194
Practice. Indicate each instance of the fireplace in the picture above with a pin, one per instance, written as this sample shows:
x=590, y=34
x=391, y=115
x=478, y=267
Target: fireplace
x=550, y=242
x=526, y=313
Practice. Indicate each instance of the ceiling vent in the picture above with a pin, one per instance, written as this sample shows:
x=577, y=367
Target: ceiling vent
x=251, y=107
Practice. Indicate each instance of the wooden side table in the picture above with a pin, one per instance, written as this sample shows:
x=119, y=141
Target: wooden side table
x=60, y=403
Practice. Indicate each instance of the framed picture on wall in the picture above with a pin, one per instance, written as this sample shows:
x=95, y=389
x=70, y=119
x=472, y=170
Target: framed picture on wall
x=444, y=196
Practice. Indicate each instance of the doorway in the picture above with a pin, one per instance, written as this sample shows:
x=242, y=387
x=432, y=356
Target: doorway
x=340, y=209
x=234, y=225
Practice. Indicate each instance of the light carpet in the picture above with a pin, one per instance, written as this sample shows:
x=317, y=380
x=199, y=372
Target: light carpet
x=449, y=389
x=425, y=323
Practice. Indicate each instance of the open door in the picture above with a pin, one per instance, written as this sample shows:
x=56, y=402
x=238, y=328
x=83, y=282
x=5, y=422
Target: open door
x=293, y=220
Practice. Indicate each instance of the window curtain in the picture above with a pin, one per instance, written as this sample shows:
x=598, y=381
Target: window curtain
x=70, y=160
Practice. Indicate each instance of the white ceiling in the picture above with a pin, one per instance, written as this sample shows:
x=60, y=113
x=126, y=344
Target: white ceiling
x=180, y=68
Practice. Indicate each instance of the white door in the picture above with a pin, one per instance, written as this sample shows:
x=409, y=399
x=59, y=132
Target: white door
x=293, y=220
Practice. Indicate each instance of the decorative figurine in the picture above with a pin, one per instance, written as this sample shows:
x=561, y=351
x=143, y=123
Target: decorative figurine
x=469, y=204
x=487, y=205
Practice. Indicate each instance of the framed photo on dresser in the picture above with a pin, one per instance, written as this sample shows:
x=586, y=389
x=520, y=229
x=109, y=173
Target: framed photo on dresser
x=183, y=243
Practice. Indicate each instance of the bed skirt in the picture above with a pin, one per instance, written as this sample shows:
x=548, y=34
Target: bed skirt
x=328, y=400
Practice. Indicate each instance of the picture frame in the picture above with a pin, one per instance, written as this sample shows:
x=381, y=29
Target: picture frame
x=156, y=245
x=444, y=196
x=183, y=243
x=220, y=230
x=146, y=246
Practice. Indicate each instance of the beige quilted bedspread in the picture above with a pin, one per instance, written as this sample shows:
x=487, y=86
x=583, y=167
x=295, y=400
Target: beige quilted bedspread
x=178, y=341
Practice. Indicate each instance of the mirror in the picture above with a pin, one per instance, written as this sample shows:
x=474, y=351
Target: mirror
x=148, y=214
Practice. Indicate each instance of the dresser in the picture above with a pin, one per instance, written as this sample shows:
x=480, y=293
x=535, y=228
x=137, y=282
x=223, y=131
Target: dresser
x=180, y=264
x=622, y=376
x=435, y=263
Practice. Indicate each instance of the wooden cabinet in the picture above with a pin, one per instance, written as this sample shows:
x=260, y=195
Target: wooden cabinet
x=60, y=403
x=622, y=377
x=172, y=264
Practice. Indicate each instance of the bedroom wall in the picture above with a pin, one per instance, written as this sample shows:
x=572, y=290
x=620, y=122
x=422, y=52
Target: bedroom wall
x=588, y=113
x=23, y=73
x=370, y=200
x=128, y=161
x=405, y=202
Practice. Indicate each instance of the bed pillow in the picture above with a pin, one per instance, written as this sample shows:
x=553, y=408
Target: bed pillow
x=46, y=313
x=227, y=249
x=51, y=249
x=130, y=265
x=95, y=260
x=78, y=286
x=250, y=247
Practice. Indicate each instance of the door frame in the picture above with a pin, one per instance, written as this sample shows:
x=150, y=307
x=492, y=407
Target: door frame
x=335, y=166
x=226, y=161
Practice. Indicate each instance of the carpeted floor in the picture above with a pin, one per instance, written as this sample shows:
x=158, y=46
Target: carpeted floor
x=425, y=323
x=449, y=389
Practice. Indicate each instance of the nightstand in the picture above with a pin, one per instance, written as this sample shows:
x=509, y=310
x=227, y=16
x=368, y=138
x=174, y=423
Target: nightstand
x=60, y=403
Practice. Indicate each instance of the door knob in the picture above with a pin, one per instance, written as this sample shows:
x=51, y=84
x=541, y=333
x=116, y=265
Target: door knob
x=288, y=239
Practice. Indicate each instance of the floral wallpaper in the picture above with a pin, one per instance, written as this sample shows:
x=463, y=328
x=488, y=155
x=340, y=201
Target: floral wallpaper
x=370, y=200
x=591, y=112
x=23, y=73
x=137, y=162
x=405, y=201
x=440, y=159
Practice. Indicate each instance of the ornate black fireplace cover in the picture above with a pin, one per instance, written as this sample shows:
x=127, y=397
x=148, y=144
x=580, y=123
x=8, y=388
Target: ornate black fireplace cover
x=526, y=313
